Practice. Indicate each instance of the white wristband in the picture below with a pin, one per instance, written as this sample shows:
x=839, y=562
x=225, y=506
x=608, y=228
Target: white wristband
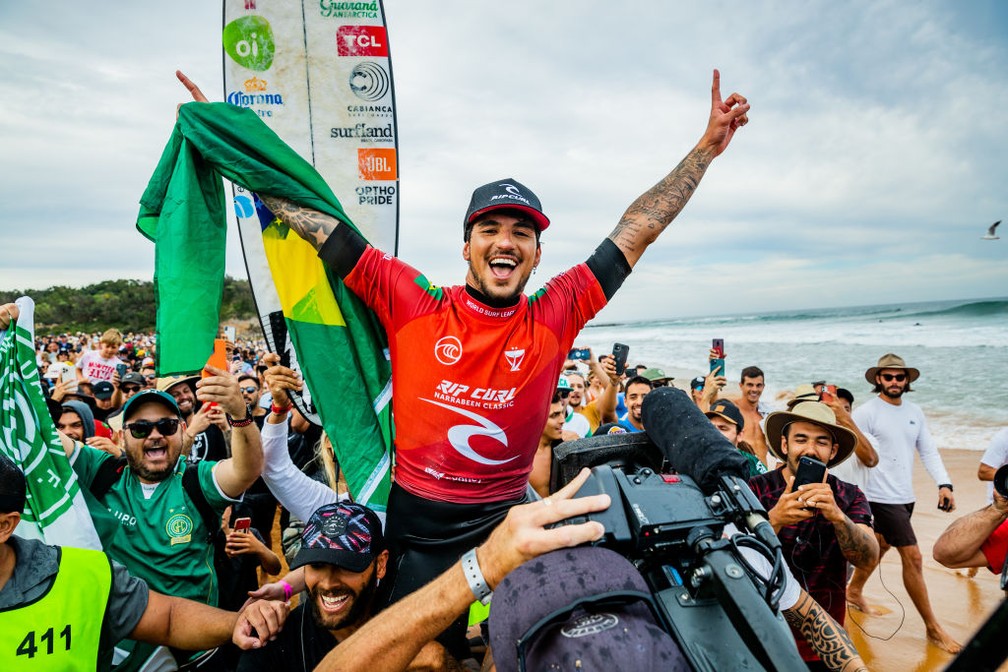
x=473, y=574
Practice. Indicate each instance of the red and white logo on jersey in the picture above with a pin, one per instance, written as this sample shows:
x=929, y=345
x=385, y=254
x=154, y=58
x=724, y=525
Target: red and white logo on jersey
x=514, y=357
x=361, y=41
x=448, y=350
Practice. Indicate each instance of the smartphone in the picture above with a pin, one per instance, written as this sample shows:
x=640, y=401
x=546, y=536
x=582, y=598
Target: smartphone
x=717, y=345
x=69, y=376
x=242, y=524
x=620, y=353
x=810, y=470
x=579, y=353
x=121, y=369
x=828, y=393
x=230, y=334
x=717, y=364
x=219, y=356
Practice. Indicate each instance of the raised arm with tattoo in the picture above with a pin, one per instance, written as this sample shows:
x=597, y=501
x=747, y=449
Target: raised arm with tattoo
x=655, y=209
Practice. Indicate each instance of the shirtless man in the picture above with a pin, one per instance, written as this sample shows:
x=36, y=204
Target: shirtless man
x=751, y=388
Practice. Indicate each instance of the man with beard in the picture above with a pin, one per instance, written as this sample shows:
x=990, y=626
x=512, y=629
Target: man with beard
x=479, y=360
x=822, y=526
x=344, y=555
x=163, y=536
x=900, y=428
x=203, y=438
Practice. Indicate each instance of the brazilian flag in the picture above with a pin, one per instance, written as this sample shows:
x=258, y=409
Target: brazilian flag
x=339, y=342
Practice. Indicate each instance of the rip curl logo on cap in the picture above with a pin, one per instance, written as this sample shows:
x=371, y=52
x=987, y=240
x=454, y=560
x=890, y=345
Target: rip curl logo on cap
x=591, y=624
x=511, y=189
x=448, y=350
x=513, y=193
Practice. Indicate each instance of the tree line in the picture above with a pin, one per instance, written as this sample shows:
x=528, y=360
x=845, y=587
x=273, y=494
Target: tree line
x=127, y=305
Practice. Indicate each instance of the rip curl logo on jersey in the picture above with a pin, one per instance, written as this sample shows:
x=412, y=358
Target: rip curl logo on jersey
x=448, y=350
x=591, y=624
x=459, y=435
x=514, y=357
x=179, y=527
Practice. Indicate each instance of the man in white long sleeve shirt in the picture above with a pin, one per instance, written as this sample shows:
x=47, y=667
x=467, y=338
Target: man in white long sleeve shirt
x=900, y=428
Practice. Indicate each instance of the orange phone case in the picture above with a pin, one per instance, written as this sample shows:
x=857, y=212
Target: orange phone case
x=219, y=357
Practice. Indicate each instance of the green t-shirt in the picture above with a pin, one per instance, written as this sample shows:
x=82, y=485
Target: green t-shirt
x=163, y=539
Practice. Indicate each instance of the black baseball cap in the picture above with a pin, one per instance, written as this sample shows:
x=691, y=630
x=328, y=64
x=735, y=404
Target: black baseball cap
x=698, y=383
x=103, y=390
x=727, y=410
x=507, y=193
x=345, y=534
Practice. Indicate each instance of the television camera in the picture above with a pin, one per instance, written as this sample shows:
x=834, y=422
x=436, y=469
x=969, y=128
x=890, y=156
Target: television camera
x=683, y=514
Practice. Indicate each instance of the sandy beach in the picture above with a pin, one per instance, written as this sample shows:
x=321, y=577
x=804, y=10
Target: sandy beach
x=962, y=604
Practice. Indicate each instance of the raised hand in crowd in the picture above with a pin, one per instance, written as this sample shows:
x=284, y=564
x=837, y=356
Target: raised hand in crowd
x=279, y=379
x=9, y=313
x=111, y=446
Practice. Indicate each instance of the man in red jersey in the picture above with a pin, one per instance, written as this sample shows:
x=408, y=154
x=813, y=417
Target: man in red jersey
x=474, y=366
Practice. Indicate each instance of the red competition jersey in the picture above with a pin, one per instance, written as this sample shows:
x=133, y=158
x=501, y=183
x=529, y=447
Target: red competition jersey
x=471, y=384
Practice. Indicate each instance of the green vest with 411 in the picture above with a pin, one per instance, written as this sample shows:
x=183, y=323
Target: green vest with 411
x=60, y=630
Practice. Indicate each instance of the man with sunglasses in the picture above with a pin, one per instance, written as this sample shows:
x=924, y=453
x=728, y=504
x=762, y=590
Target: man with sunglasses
x=900, y=428
x=162, y=536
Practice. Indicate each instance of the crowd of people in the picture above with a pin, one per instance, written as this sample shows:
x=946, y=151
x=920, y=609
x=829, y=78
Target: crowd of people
x=184, y=476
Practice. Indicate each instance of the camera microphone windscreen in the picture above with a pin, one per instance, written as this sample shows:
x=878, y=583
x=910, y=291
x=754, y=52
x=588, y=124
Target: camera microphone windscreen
x=692, y=445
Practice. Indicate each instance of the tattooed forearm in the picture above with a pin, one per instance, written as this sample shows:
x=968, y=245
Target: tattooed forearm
x=311, y=225
x=658, y=206
x=830, y=641
x=857, y=544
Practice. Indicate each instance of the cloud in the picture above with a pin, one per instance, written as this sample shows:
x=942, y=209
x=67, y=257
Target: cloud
x=874, y=138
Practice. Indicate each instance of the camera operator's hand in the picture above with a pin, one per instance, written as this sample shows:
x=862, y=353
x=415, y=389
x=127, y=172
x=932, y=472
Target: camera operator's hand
x=523, y=534
x=789, y=509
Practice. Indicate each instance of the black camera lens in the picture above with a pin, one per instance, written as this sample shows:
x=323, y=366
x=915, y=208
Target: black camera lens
x=1001, y=480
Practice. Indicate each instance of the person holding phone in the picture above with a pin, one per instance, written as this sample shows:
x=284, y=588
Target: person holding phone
x=822, y=525
x=478, y=360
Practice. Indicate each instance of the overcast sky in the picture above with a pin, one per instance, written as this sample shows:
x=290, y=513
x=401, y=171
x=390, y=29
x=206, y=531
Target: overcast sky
x=872, y=164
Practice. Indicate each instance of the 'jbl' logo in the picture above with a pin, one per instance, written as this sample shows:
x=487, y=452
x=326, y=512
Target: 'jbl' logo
x=377, y=164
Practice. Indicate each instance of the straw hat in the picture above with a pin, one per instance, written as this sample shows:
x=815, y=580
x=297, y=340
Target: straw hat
x=817, y=414
x=804, y=392
x=890, y=361
x=168, y=382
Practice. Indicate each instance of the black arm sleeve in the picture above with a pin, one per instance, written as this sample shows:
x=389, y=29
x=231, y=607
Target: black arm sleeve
x=342, y=250
x=609, y=266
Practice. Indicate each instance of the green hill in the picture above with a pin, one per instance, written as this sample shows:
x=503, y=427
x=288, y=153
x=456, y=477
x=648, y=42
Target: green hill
x=127, y=305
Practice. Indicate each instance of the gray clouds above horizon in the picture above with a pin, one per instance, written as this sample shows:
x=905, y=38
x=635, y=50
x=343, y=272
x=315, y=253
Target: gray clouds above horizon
x=871, y=166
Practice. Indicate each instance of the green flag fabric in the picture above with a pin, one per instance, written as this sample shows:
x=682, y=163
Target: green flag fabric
x=340, y=345
x=55, y=511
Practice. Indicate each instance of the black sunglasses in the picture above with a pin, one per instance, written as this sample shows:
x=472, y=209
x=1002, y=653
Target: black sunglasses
x=130, y=389
x=141, y=429
x=898, y=377
x=596, y=603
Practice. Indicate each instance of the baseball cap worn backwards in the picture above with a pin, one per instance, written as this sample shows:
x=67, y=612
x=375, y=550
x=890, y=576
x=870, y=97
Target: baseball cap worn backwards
x=345, y=534
x=505, y=194
x=584, y=608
